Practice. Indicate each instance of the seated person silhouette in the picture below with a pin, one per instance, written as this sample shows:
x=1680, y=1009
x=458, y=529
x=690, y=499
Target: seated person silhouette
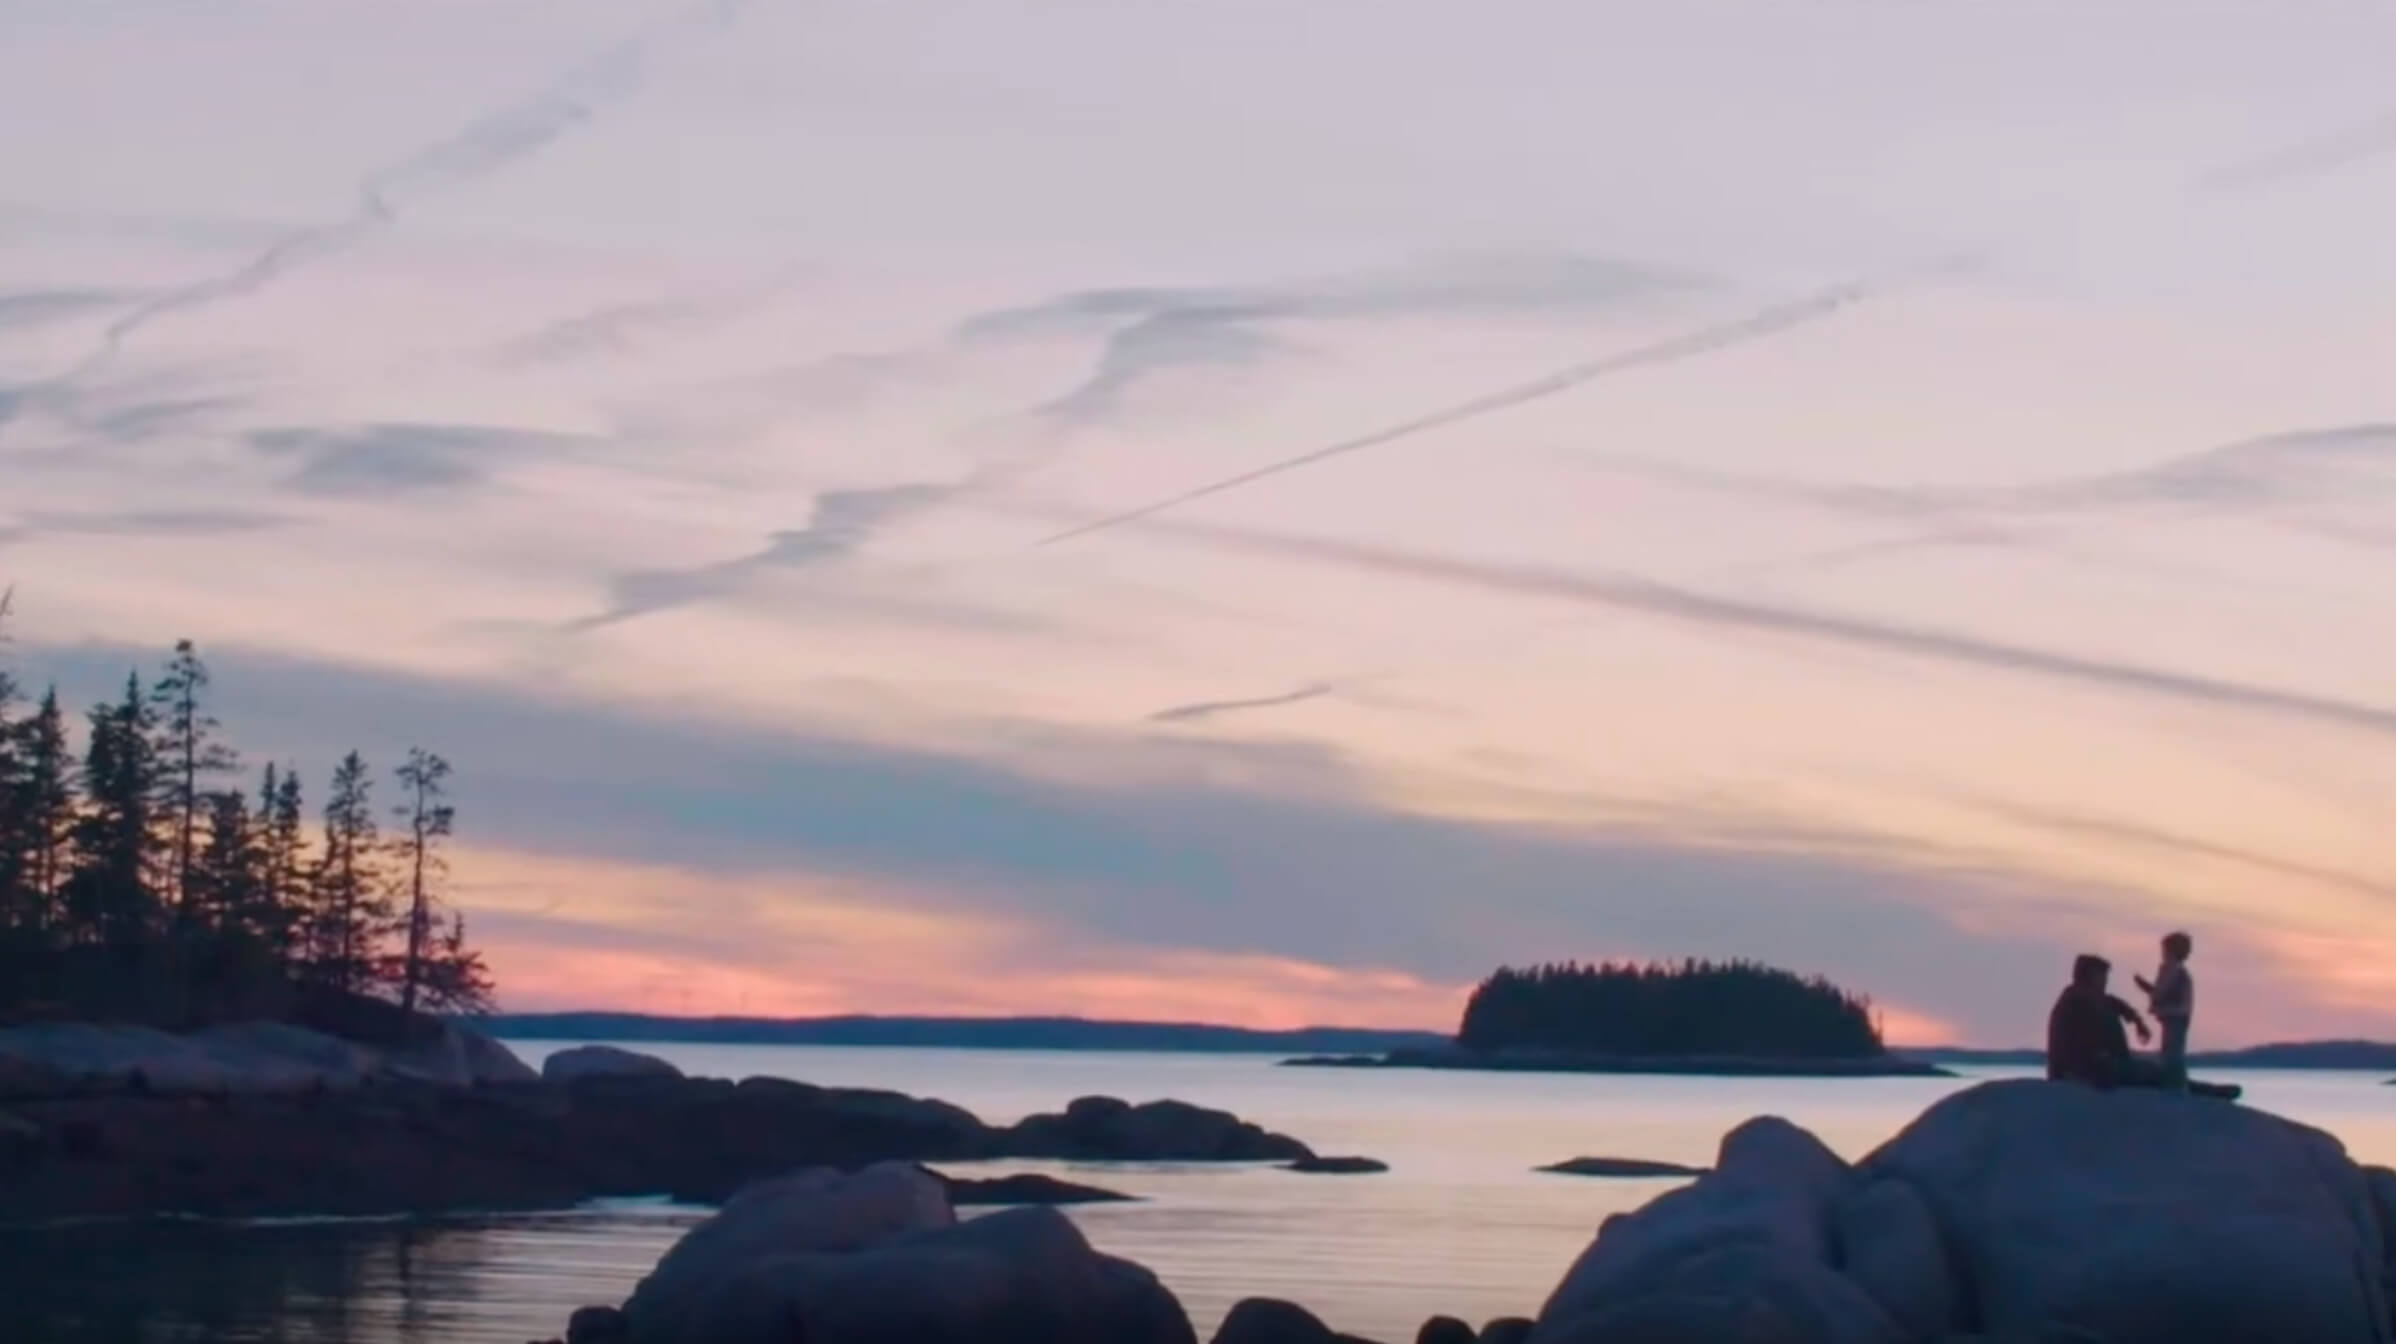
x=2085, y=1041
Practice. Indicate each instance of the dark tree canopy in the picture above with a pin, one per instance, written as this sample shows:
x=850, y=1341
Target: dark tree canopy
x=1734, y=1008
x=139, y=882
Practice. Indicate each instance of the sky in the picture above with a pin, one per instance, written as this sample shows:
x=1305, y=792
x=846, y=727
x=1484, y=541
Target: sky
x=1250, y=512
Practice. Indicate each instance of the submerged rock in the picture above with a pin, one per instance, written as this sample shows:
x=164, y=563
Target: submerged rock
x=2019, y=1210
x=1024, y=1188
x=1629, y=1168
x=1337, y=1166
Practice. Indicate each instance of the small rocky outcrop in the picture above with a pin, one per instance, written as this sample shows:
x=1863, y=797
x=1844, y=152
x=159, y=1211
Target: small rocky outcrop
x=1267, y=1320
x=1445, y=1330
x=1337, y=1166
x=2016, y=1210
x=1108, y=1129
x=603, y=1061
x=879, y=1256
x=1624, y=1168
x=1023, y=1188
x=1508, y=1330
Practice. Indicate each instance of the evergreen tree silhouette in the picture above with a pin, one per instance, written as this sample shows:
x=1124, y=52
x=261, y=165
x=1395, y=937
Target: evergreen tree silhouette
x=131, y=886
x=188, y=755
x=109, y=897
x=282, y=841
x=1736, y=1008
x=42, y=810
x=429, y=817
x=352, y=898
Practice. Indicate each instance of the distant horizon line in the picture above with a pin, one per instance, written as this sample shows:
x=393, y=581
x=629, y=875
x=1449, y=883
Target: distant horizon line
x=1074, y=1019
x=1226, y=1028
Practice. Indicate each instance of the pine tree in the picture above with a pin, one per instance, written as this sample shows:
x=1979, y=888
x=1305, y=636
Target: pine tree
x=429, y=818
x=16, y=898
x=188, y=753
x=108, y=894
x=352, y=904
x=129, y=885
x=45, y=808
x=283, y=863
x=455, y=979
x=228, y=872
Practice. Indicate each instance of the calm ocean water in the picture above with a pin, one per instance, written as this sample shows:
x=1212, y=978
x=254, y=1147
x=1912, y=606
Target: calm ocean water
x=1459, y=1225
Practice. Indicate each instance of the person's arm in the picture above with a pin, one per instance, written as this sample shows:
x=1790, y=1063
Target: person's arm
x=2143, y=986
x=2130, y=1015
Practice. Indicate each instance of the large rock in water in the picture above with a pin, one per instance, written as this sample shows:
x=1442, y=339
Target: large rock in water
x=603, y=1061
x=2143, y=1216
x=818, y=1210
x=2020, y=1210
x=879, y=1258
x=1742, y=1255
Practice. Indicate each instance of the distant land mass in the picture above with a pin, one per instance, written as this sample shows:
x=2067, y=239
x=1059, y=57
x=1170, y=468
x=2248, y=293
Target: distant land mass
x=2369, y=1056
x=971, y=1033
x=1078, y=1033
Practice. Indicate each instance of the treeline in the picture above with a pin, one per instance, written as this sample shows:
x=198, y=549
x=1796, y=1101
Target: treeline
x=1691, y=1008
x=140, y=878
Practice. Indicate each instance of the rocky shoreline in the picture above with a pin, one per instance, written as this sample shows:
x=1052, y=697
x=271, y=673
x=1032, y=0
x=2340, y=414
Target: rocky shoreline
x=362, y=1139
x=2020, y=1211
x=1557, y=1061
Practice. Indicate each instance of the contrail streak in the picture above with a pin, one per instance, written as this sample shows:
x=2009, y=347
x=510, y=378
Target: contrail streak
x=1626, y=592
x=1815, y=307
x=1207, y=709
x=2310, y=158
x=485, y=144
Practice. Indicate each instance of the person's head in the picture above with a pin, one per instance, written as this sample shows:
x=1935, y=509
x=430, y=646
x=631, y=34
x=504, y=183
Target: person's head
x=2090, y=971
x=2177, y=946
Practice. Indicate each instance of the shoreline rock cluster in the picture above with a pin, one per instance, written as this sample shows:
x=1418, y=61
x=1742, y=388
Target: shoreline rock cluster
x=2021, y=1211
x=879, y=1255
x=2016, y=1210
x=119, y=1122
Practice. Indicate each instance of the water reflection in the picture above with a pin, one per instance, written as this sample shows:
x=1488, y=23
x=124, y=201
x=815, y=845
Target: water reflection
x=1461, y=1224
x=349, y=1282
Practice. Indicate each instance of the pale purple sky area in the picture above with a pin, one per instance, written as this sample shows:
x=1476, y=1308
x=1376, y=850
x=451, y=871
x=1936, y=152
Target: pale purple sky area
x=1901, y=490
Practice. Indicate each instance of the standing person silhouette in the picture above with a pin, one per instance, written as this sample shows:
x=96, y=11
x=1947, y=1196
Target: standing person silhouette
x=2171, y=997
